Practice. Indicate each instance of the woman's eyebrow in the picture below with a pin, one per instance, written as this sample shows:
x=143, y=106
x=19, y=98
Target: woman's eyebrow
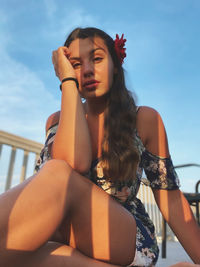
x=91, y=53
x=98, y=48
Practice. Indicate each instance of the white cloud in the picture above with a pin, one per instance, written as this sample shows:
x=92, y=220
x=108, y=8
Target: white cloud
x=25, y=102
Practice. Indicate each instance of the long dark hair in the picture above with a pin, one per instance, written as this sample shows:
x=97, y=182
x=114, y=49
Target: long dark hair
x=119, y=154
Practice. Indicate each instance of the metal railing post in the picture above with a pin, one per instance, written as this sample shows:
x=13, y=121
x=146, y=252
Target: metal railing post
x=10, y=169
x=24, y=166
x=0, y=150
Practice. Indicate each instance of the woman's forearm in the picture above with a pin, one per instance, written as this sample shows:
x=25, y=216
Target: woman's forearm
x=72, y=141
x=185, y=227
x=179, y=216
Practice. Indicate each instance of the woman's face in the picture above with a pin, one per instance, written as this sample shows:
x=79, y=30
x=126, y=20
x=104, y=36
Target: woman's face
x=93, y=66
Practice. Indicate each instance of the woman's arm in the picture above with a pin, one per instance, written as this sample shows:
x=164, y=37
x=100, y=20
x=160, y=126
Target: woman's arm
x=184, y=264
x=177, y=212
x=172, y=203
x=72, y=139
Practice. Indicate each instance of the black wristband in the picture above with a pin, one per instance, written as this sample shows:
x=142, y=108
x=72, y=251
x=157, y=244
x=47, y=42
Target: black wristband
x=69, y=79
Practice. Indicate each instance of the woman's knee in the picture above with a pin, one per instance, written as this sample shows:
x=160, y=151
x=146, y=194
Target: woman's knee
x=55, y=172
x=57, y=167
x=61, y=172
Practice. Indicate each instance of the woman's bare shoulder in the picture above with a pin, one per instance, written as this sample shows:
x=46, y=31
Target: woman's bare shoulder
x=147, y=121
x=146, y=116
x=151, y=130
x=146, y=113
x=52, y=120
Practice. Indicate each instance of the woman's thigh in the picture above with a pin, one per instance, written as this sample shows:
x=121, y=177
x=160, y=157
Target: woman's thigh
x=99, y=226
x=59, y=255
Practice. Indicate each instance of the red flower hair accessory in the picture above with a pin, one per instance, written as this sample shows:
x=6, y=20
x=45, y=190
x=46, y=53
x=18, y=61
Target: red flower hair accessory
x=119, y=48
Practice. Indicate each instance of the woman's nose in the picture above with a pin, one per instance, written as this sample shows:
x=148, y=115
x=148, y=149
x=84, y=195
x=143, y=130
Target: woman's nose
x=88, y=69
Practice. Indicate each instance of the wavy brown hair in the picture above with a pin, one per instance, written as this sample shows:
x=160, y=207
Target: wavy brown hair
x=119, y=154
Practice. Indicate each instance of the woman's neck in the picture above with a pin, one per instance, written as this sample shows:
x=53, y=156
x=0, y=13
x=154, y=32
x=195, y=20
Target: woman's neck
x=96, y=107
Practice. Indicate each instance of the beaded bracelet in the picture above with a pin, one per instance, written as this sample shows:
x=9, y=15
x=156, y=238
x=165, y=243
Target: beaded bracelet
x=69, y=79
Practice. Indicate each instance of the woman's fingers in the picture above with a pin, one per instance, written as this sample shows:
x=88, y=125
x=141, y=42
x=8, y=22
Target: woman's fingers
x=54, y=61
x=65, y=51
x=62, y=65
x=54, y=56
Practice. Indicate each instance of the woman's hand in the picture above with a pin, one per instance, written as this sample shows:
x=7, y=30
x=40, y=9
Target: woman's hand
x=62, y=65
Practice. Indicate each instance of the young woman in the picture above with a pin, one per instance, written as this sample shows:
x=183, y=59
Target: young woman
x=81, y=208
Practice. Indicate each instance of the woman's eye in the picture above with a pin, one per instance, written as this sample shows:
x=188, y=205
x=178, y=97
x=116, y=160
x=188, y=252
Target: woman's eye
x=98, y=59
x=76, y=65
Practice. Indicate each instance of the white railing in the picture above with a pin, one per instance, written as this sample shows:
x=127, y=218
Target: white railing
x=146, y=196
x=18, y=143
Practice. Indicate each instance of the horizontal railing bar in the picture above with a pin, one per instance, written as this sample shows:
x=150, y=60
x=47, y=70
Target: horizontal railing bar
x=187, y=165
x=20, y=142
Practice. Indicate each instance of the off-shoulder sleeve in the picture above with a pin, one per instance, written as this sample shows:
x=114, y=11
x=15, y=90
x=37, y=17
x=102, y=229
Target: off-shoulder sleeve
x=45, y=153
x=159, y=171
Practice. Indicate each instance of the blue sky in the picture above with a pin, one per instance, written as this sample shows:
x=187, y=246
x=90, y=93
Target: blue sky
x=162, y=64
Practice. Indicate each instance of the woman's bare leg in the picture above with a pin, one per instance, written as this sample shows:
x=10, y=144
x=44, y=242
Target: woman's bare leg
x=60, y=255
x=31, y=212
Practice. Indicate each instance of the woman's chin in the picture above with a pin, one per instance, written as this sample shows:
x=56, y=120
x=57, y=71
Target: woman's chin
x=95, y=93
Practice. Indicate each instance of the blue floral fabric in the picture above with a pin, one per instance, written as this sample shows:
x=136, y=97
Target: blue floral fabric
x=160, y=174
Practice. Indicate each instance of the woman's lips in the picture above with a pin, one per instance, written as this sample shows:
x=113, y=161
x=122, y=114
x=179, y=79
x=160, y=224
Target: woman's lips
x=91, y=84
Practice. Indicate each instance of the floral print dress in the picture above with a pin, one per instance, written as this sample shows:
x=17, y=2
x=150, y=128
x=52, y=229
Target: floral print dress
x=160, y=174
